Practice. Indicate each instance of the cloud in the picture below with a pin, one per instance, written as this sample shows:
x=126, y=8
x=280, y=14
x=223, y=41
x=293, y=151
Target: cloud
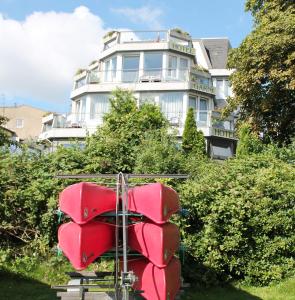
x=142, y=15
x=39, y=56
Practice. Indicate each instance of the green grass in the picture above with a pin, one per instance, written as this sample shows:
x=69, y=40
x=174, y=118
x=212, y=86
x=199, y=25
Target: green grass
x=32, y=282
x=282, y=291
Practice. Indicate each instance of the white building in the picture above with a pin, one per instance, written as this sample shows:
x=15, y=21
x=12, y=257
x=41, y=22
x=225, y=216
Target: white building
x=167, y=68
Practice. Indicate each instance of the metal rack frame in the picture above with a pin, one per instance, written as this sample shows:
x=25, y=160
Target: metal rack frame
x=122, y=280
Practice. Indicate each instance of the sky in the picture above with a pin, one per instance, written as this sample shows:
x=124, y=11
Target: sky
x=44, y=42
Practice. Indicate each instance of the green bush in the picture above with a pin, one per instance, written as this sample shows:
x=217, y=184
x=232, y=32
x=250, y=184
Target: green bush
x=241, y=220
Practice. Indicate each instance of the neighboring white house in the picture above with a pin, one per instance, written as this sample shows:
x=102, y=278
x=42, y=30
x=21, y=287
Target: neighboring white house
x=167, y=68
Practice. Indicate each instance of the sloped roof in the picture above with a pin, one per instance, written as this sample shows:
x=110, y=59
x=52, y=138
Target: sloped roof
x=217, y=51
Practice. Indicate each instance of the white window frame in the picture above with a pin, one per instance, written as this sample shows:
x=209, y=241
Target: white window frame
x=19, y=123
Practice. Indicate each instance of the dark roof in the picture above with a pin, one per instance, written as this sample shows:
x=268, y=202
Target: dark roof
x=217, y=51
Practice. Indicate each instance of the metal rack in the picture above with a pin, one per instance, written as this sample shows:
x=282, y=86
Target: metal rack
x=120, y=282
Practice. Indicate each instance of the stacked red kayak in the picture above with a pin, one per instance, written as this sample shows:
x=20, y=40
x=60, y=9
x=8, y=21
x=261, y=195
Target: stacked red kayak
x=85, y=239
x=88, y=236
x=156, y=239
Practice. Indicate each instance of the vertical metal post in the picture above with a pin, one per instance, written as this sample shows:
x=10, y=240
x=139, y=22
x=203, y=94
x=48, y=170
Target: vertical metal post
x=117, y=292
x=125, y=237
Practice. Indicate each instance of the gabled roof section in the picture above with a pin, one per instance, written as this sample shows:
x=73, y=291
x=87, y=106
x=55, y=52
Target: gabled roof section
x=217, y=50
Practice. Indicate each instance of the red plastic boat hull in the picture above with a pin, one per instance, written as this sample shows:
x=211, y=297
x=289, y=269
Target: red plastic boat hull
x=83, y=201
x=156, y=242
x=157, y=283
x=82, y=244
x=155, y=201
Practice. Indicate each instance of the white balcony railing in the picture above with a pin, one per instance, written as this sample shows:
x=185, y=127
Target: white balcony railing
x=146, y=75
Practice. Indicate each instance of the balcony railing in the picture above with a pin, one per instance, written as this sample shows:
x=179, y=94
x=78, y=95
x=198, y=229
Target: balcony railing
x=145, y=75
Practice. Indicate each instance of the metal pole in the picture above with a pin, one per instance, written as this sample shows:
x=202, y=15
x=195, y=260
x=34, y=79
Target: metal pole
x=117, y=239
x=124, y=228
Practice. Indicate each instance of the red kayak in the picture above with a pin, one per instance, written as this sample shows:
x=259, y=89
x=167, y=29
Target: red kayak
x=82, y=244
x=155, y=201
x=156, y=283
x=83, y=201
x=156, y=242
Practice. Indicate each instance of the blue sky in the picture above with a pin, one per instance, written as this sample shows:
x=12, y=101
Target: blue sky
x=65, y=21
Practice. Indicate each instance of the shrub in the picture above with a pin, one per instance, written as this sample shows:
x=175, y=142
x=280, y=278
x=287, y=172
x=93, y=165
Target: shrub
x=241, y=221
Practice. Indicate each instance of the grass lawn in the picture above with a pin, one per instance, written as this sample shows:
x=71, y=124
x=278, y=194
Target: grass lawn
x=282, y=291
x=16, y=287
x=33, y=283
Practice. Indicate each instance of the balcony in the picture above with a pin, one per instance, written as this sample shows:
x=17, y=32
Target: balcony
x=194, y=81
x=173, y=39
x=69, y=126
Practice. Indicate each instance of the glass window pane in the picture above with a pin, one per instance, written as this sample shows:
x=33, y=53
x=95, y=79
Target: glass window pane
x=131, y=62
x=114, y=67
x=172, y=106
x=172, y=62
x=183, y=68
x=203, y=104
x=183, y=63
x=99, y=105
x=130, y=68
x=192, y=103
x=172, y=66
x=219, y=89
x=153, y=61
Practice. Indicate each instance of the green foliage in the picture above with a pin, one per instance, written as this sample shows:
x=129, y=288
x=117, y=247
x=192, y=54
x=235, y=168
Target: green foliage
x=29, y=191
x=4, y=137
x=192, y=139
x=248, y=142
x=264, y=80
x=241, y=221
x=241, y=212
x=112, y=148
x=159, y=153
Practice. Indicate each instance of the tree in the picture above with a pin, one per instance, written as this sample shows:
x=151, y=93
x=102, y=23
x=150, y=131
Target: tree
x=264, y=80
x=248, y=142
x=192, y=139
x=4, y=137
x=112, y=147
x=159, y=153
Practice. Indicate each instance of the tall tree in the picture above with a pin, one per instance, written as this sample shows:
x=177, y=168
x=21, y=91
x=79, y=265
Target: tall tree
x=4, y=137
x=192, y=139
x=264, y=80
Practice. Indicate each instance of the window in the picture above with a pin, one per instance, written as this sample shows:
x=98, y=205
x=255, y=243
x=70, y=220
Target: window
x=183, y=68
x=147, y=98
x=172, y=106
x=19, y=123
x=111, y=69
x=80, y=82
x=153, y=64
x=99, y=105
x=81, y=110
x=172, y=66
x=192, y=103
x=130, y=68
x=219, y=89
x=203, y=111
x=204, y=81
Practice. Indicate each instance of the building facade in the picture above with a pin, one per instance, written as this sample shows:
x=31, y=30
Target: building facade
x=24, y=120
x=167, y=68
